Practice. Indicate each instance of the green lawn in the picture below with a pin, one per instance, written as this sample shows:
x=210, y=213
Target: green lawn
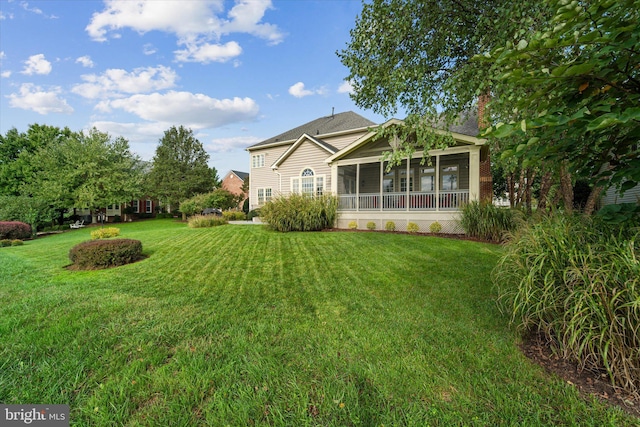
x=236, y=325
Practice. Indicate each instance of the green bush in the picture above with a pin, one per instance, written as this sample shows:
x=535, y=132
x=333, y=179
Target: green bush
x=117, y=218
x=390, y=226
x=164, y=215
x=412, y=227
x=98, y=254
x=435, y=227
x=14, y=230
x=234, y=215
x=203, y=221
x=577, y=281
x=253, y=214
x=4, y=243
x=300, y=212
x=105, y=233
x=486, y=221
x=353, y=225
x=17, y=242
x=371, y=225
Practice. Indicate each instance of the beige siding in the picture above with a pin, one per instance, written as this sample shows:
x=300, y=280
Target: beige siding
x=343, y=140
x=264, y=177
x=372, y=149
x=307, y=155
x=630, y=196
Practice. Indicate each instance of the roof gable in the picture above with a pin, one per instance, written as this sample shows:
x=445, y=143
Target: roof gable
x=241, y=175
x=322, y=126
x=330, y=149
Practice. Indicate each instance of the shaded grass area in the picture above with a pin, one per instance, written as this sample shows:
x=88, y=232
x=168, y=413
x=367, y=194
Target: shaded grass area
x=239, y=326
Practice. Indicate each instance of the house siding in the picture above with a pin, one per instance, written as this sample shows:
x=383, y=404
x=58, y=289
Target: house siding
x=308, y=155
x=612, y=197
x=343, y=140
x=264, y=177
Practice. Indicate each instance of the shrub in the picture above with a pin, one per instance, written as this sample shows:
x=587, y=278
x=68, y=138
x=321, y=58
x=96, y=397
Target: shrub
x=253, y=214
x=14, y=230
x=17, y=242
x=371, y=225
x=390, y=226
x=98, y=254
x=202, y=221
x=577, y=281
x=412, y=227
x=164, y=215
x=435, y=227
x=486, y=221
x=105, y=233
x=4, y=243
x=234, y=215
x=300, y=212
x=353, y=225
x=117, y=218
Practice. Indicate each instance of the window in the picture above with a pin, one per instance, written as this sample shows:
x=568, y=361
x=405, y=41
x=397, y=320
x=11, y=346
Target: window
x=403, y=180
x=149, y=206
x=135, y=204
x=449, y=177
x=264, y=195
x=308, y=183
x=257, y=161
x=427, y=179
x=387, y=182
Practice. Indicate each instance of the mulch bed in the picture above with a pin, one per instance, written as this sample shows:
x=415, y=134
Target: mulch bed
x=538, y=349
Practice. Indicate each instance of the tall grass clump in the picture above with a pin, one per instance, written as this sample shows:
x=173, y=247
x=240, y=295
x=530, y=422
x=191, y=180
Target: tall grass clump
x=300, y=212
x=488, y=222
x=204, y=221
x=577, y=281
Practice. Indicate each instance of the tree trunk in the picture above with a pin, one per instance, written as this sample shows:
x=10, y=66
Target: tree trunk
x=566, y=187
x=511, y=186
x=545, y=186
x=592, y=201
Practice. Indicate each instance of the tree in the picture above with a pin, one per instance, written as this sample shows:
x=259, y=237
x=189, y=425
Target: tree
x=179, y=168
x=86, y=169
x=579, y=85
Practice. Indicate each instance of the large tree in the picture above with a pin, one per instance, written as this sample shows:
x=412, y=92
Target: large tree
x=179, y=169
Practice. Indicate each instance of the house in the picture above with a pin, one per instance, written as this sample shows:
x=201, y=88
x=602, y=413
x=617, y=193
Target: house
x=233, y=182
x=342, y=154
x=142, y=208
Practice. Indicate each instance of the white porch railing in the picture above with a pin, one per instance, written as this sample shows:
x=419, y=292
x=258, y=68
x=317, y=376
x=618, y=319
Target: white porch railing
x=415, y=201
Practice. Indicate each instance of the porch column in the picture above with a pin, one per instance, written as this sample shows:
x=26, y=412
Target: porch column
x=357, y=187
x=381, y=187
x=474, y=173
x=409, y=185
x=437, y=182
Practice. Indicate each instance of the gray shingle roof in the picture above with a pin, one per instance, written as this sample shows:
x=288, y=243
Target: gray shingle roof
x=241, y=175
x=467, y=124
x=324, y=125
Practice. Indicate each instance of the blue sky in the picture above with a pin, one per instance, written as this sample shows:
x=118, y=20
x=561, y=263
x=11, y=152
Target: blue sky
x=235, y=72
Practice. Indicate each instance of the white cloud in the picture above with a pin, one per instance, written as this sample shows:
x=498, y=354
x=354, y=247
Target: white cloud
x=149, y=49
x=36, y=99
x=345, y=87
x=197, y=111
x=116, y=82
x=298, y=90
x=36, y=10
x=218, y=145
x=206, y=52
x=2, y=55
x=5, y=74
x=195, y=23
x=85, y=61
x=37, y=64
x=134, y=132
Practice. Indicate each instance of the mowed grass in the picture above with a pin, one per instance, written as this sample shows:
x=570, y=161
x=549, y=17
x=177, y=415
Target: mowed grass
x=236, y=325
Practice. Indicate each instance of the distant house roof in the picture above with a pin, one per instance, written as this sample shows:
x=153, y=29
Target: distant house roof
x=241, y=175
x=467, y=124
x=322, y=126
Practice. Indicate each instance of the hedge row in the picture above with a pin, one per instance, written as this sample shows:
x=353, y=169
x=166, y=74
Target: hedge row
x=14, y=230
x=98, y=254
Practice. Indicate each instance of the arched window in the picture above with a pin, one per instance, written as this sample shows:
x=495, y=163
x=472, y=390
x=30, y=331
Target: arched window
x=308, y=183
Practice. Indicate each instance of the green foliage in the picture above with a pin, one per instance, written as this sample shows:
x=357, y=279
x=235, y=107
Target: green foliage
x=390, y=226
x=17, y=242
x=203, y=221
x=623, y=213
x=219, y=198
x=30, y=210
x=14, y=230
x=105, y=233
x=435, y=227
x=164, y=215
x=234, y=215
x=5, y=243
x=488, y=222
x=180, y=170
x=371, y=225
x=353, y=225
x=577, y=281
x=300, y=212
x=412, y=227
x=99, y=254
x=253, y=214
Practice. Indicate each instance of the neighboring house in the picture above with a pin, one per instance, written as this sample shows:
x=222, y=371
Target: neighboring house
x=341, y=154
x=613, y=197
x=233, y=182
x=144, y=207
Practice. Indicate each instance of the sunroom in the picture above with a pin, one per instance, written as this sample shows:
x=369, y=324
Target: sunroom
x=419, y=190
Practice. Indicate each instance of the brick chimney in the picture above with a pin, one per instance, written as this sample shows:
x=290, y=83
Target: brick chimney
x=486, y=181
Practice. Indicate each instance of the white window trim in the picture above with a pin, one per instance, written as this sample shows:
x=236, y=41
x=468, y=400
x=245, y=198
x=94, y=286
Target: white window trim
x=148, y=206
x=257, y=161
x=135, y=204
x=296, y=181
x=443, y=173
x=265, y=198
